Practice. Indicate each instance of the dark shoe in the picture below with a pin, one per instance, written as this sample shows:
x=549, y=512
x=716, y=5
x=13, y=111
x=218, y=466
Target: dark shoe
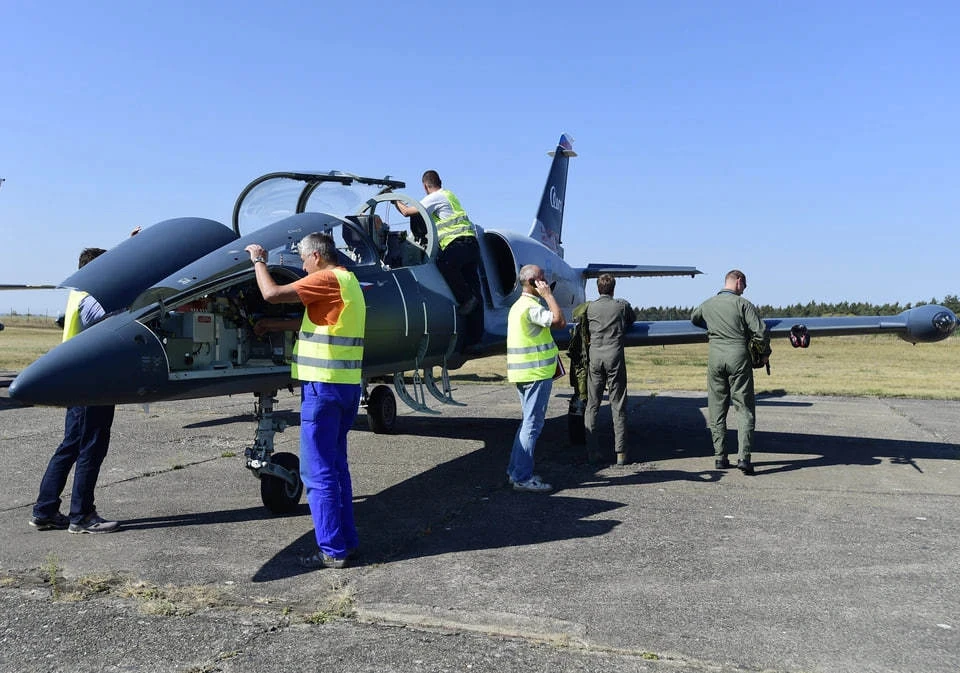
x=320, y=560
x=745, y=466
x=722, y=463
x=56, y=522
x=94, y=523
x=621, y=459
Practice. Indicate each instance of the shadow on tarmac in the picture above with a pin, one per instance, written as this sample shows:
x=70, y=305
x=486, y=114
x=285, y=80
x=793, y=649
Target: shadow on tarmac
x=469, y=500
x=208, y=518
x=399, y=521
x=291, y=418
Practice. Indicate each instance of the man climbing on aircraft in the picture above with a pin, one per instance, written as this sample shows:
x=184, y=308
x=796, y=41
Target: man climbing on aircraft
x=327, y=358
x=531, y=365
x=459, y=257
x=732, y=324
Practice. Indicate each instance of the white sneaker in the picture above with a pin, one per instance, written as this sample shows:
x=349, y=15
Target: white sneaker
x=532, y=485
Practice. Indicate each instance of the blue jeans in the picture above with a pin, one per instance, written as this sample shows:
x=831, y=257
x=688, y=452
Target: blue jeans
x=86, y=438
x=327, y=413
x=534, y=397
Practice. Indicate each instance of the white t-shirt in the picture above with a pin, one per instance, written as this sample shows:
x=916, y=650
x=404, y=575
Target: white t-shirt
x=437, y=202
x=540, y=316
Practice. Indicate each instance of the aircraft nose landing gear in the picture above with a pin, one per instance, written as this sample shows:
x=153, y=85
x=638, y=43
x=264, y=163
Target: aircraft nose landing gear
x=279, y=473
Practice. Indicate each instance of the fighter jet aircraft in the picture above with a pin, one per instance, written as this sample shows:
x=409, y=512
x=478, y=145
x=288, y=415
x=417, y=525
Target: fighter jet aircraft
x=182, y=301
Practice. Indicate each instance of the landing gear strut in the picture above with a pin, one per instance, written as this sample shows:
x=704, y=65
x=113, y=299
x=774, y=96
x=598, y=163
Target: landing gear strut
x=279, y=473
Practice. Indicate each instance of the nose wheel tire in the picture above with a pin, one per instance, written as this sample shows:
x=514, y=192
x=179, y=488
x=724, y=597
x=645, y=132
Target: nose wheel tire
x=278, y=495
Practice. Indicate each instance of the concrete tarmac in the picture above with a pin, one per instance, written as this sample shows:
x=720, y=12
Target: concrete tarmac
x=840, y=554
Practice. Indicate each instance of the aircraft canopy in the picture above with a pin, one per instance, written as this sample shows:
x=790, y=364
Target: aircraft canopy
x=274, y=196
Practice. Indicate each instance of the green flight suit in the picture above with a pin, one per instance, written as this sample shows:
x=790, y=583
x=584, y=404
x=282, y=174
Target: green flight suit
x=577, y=351
x=732, y=323
x=607, y=320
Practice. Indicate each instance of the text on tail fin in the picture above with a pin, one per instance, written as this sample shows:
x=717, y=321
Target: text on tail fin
x=548, y=225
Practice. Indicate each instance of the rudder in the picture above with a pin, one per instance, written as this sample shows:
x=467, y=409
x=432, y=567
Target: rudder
x=548, y=225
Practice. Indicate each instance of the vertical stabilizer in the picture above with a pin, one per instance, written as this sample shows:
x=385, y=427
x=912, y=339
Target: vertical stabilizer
x=549, y=222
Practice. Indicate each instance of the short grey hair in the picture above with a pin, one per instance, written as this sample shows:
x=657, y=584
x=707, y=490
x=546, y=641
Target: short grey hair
x=319, y=243
x=528, y=273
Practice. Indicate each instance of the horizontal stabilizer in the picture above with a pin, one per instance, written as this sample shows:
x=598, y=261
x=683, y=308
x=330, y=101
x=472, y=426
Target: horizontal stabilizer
x=638, y=270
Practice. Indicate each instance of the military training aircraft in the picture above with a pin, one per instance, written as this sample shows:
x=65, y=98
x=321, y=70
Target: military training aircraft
x=182, y=301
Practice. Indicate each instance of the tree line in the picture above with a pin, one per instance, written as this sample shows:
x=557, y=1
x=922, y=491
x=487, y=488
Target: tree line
x=811, y=309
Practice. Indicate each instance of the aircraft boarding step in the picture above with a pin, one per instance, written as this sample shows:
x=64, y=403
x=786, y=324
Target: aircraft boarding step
x=425, y=382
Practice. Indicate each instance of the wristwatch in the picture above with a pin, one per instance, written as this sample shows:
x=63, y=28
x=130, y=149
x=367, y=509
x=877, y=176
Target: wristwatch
x=260, y=259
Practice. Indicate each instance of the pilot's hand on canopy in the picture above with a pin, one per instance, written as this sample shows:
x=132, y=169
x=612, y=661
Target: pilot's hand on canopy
x=256, y=252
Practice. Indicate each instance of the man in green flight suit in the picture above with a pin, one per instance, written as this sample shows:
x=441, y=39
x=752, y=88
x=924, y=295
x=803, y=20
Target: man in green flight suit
x=732, y=323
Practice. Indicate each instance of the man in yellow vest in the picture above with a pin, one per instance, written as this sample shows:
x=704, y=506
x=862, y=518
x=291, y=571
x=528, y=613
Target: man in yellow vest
x=531, y=365
x=327, y=358
x=459, y=257
x=86, y=438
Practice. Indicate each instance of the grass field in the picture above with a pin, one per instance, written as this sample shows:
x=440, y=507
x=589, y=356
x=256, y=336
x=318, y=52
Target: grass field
x=25, y=338
x=875, y=365
x=871, y=365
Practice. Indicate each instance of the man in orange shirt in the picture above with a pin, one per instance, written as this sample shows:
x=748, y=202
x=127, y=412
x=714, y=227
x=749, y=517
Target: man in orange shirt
x=327, y=358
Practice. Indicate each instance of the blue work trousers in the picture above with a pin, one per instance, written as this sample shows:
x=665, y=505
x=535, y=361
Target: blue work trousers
x=86, y=438
x=534, y=397
x=327, y=413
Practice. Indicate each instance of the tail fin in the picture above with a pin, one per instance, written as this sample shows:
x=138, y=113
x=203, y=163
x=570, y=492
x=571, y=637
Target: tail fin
x=549, y=223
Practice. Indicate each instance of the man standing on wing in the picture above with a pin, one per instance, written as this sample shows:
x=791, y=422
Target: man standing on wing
x=459, y=256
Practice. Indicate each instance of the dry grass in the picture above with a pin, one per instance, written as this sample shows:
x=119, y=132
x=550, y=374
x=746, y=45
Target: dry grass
x=880, y=365
x=25, y=338
x=873, y=365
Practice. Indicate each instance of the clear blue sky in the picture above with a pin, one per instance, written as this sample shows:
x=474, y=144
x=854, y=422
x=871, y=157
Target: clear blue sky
x=812, y=144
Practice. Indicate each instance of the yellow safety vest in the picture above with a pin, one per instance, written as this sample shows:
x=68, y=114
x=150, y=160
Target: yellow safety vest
x=71, y=318
x=333, y=353
x=455, y=226
x=529, y=358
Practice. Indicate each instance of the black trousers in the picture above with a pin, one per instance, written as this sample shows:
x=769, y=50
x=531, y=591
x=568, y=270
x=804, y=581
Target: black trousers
x=459, y=263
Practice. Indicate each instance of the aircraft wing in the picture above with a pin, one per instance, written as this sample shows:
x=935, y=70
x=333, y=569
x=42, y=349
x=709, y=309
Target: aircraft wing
x=922, y=324
x=637, y=270
x=28, y=287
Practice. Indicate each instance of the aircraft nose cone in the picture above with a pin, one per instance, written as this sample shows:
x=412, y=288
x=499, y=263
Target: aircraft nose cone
x=117, y=361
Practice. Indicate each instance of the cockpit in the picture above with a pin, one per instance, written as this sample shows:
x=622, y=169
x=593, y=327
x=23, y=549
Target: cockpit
x=366, y=227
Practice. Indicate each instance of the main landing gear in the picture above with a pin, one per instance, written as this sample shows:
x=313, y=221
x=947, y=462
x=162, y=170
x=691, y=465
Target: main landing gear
x=381, y=406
